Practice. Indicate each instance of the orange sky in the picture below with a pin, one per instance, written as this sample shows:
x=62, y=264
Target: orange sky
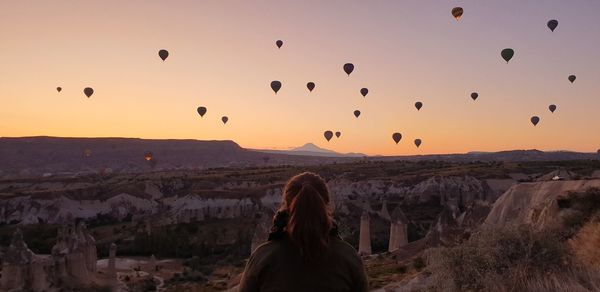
x=223, y=56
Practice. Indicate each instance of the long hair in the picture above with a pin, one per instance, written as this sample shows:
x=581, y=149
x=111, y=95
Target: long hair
x=306, y=200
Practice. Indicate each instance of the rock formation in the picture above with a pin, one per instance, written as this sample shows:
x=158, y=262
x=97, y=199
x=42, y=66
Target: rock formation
x=398, y=230
x=112, y=253
x=364, y=244
x=22, y=269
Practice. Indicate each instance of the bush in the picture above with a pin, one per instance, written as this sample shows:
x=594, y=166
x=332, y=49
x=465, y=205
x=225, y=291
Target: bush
x=419, y=264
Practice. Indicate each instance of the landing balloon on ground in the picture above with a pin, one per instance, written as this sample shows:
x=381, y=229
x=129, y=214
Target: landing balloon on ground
x=507, y=54
x=275, y=85
x=163, y=54
x=457, y=12
x=310, y=86
x=418, y=105
x=201, y=111
x=535, y=120
x=397, y=137
x=552, y=24
x=88, y=91
x=348, y=68
x=328, y=135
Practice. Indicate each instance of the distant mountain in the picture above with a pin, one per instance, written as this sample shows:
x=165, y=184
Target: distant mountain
x=310, y=149
x=510, y=155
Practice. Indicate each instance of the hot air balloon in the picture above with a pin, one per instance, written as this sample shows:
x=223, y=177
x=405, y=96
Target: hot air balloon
x=457, y=12
x=418, y=105
x=201, y=111
x=328, y=135
x=552, y=24
x=474, y=95
x=397, y=137
x=507, y=54
x=357, y=113
x=163, y=54
x=552, y=108
x=338, y=134
x=279, y=43
x=348, y=68
x=275, y=85
x=224, y=119
x=87, y=152
x=88, y=91
x=417, y=142
x=535, y=120
x=148, y=156
x=572, y=78
x=59, y=89
x=310, y=86
x=364, y=92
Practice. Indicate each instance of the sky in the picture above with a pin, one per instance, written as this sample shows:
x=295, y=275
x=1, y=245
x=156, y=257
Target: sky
x=223, y=56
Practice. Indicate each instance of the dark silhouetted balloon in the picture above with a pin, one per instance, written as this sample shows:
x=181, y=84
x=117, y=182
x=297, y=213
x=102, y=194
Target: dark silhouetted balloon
x=88, y=91
x=457, y=12
x=310, y=86
x=279, y=43
x=552, y=107
x=535, y=120
x=201, y=111
x=163, y=54
x=338, y=134
x=397, y=137
x=418, y=105
x=328, y=135
x=348, y=68
x=572, y=78
x=357, y=113
x=59, y=89
x=552, y=24
x=224, y=119
x=418, y=142
x=364, y=92
x=275, y=85
x=148, y=156
x=507, y=54
x=474, y=95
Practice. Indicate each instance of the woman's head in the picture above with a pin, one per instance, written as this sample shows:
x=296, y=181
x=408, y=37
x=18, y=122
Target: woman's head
x=306, y=200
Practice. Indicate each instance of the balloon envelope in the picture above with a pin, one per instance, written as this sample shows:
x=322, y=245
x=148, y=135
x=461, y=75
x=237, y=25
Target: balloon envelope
x=418, y=105
x=457, y=12
x=328, y=135
x=148, y=156
x=552, y=108
x=357, y=113
x=552, y=24
x=348, y=68
x=338, y=134
x=397, y=137
x=535, y=120
x=224, y=119
x=163, y=54
x=88, y=91
x=572, y=78
x=507, y=54
x=59, y=89
x=201, y=111
x=474, y=95
x=310, y=86
x=364, y=92
x=418, y=142
x=275, y=85
x=279, y=43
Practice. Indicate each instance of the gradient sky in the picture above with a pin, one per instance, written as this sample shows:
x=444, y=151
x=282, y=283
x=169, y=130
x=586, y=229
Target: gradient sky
x=223, y=56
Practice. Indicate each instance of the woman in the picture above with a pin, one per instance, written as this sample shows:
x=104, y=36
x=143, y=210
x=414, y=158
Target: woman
x=304, y=251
